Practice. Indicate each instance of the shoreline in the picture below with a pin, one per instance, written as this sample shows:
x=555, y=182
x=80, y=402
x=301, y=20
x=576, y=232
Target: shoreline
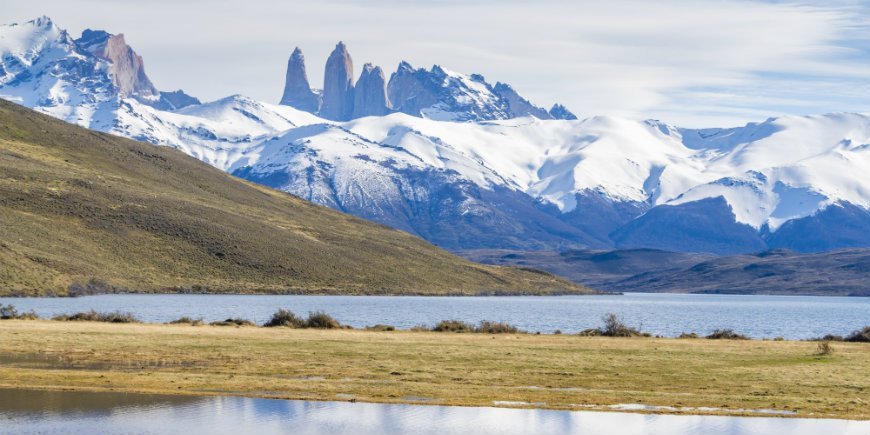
x=560, y=372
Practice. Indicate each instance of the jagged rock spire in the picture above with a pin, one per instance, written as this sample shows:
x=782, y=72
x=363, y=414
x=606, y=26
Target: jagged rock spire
x=370, y=93
x=561, y=112
x=126, y=67
x=297, y=90
x=338, y=85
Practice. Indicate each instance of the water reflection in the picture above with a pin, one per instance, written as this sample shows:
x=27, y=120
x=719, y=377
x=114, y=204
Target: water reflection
x=81, y=412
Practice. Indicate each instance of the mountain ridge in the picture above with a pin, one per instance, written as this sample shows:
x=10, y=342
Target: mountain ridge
x=520, y=183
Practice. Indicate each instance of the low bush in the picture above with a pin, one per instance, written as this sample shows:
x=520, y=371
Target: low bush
x=488, y=327
x=321, y=320
x=613, y=326
x=688, y=335
x=234, y=321
x=726, y=334
x=94, y=316
x=380, y=327
x=9, y=312
x=420, y=328
x=453, y=326
x=860, y=336
x=824, y=348
x=285, y=318
x=831, y=337
x=186, y=321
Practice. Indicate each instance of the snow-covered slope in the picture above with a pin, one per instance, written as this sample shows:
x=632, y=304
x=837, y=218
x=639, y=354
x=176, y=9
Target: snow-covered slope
x=514, y=183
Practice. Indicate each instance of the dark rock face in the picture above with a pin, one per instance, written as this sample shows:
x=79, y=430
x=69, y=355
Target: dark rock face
x=297, y=90
x=338, y=85
x=559, y=111
x=411, y=90
x=516, y=105
x=370, y=93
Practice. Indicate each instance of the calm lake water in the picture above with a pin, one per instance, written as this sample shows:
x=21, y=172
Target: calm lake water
x=26, y=412
x=791, y=317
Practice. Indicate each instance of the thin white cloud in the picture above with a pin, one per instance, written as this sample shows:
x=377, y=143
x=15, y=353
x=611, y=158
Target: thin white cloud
x=662, y=59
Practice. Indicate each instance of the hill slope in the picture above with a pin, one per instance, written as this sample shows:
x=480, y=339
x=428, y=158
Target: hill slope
x=86, y=211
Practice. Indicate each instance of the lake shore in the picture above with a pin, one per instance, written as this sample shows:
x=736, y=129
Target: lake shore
x=544, y=371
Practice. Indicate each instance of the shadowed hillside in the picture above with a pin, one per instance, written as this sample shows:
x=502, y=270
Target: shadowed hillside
x=89, y=212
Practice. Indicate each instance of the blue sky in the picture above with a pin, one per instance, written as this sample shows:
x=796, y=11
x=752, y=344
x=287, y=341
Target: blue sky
x=691, y=63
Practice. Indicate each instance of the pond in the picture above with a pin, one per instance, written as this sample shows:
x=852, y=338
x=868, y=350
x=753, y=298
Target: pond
x=67, y=412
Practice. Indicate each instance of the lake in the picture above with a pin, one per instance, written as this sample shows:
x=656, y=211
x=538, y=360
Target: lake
x=791, y=317
x=67, y=412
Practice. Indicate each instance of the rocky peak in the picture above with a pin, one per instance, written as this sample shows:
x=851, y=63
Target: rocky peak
x=559, y=111
x=125, y=66
x=370, y=93
x=517, y=105
x=338, y=85
x=297, y=90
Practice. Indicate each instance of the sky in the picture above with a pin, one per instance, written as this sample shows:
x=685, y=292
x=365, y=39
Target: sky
x=694, y=63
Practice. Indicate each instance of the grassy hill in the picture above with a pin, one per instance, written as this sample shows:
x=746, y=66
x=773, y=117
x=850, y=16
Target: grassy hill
x=83, y=211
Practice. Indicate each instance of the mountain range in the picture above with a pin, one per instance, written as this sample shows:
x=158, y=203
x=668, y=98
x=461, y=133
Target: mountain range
x=469, y=165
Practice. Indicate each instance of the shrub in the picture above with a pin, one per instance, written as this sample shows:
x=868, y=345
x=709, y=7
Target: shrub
x=234, y=321
x=380, y=327
x=557, y=332
x=9, y=312
x=285, y=318
x=831, y=337
x=93, y=316
x=613, y=326
x=321, y=320
x=420, y=328
x=186, y=321
x=726, y=334
x=688, y=335
x=488, y=327
x=824, y=348
x=860, y=336
x=453, y=326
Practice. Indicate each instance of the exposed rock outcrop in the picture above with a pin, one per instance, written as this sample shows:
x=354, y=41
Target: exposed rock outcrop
x=297, y=90
x=338, y=85
x=126, y=67
x=410, y=90
x=370, y=93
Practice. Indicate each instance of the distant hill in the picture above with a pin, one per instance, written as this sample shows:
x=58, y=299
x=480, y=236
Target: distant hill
x=88, y=212
x=779, y=272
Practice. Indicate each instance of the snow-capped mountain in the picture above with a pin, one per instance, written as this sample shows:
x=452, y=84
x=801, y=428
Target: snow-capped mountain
x=468, y=165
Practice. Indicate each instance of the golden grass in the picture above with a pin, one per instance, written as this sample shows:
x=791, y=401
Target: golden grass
x=551, y=371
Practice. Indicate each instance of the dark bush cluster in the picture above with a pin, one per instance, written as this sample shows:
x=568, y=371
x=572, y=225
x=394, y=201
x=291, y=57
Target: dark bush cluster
x=94, y=316
x=233, y=321
x=316, y=319
x=9, y=312
x=484, y=327
x=380, y=327
x=613, y=326
x=726, y=334
x=860, y=336
x=187, y=321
